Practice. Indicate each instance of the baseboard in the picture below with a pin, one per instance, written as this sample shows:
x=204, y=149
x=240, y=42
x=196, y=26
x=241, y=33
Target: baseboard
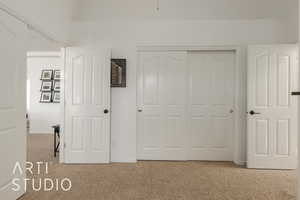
x=129, y=160
x=241, y=163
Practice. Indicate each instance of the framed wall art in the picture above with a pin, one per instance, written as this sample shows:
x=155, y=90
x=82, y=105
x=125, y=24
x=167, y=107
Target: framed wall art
x=57, y=75
x=46, y=97
x=47, y=75
x=56, y=97
x=46, y=86
x=118, y=72
x=56, y=86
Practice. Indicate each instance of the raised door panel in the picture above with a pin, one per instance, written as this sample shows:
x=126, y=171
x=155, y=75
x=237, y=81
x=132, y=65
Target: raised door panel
x=283, y=81
x=77, y=84
x=262, y=135
x=283, y=138
x=262, y=69
x=151, y=80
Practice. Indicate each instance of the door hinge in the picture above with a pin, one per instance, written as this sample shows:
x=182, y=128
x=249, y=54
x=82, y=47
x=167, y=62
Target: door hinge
x=65, y=145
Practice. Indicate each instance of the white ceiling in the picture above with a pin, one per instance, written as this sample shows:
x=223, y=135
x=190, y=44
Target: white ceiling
x=185, y=9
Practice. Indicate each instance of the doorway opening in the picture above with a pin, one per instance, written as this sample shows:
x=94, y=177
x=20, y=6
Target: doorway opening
x=43, y=110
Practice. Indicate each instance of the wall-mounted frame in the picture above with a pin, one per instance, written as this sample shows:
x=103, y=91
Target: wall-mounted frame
x=46, y=86
x=56, y=86
x=118, y=72
x=57, y=75
x=47, y=75
x=56, y=97
x=46, y=97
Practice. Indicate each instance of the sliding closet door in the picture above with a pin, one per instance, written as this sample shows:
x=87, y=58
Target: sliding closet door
x=162, y=91
x=211, y=105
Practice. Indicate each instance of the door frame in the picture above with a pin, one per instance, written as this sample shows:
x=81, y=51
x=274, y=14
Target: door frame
x=239, y=147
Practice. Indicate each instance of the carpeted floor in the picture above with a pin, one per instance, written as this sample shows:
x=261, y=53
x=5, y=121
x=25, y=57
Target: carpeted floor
x=153, y=180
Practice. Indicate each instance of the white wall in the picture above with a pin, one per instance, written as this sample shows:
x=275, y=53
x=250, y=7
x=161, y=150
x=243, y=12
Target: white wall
x=42, y=115
x=130, y=23
x=123, y=36
x=52, y=16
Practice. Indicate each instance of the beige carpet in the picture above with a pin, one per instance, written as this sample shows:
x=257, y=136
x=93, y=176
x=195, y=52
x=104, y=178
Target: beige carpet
x=153, y=180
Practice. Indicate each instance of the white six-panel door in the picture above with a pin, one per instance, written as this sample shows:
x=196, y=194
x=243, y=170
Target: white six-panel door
x=273, y=73
x=12, y=105
x=185, y=103
x=87, y=106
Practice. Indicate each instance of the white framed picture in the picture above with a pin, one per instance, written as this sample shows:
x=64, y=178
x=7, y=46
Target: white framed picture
x=56, y=86
x=47, y=74
x=46, y=86
x=57, y=75
x=56, y=97
x=46, y=97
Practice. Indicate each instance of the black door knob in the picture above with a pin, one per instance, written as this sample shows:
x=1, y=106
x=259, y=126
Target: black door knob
x=106, y=111
x=253, y=113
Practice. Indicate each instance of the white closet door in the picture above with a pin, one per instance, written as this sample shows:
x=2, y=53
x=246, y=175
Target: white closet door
x=162, y=90
x=87, y=89
x=12, y=105
x=210, y=106
x=273, y=73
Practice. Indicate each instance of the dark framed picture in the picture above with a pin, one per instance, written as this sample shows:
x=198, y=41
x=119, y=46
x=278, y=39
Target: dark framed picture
x=56, y=97
x=56, y=86
x=118, y=72
x=47, y=75
x=57, y=75
x=46, y=86
x=46, y=97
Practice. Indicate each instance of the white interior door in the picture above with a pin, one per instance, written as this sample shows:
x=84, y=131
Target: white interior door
x=162, y=84
x=12, y=104
x=273, y=73
x=211, y=105
x=87, y=105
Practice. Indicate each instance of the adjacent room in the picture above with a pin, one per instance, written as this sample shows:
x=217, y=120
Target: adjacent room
x=149, y=99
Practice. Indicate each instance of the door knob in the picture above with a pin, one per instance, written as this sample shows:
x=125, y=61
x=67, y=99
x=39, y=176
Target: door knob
x=140, y=110
x=106, y=111
x=252, y=112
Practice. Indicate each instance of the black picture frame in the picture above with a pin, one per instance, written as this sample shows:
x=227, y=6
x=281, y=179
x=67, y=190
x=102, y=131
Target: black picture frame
x=118, y=73
x=47, y=74
x=46, y=97
x=56, y=75
x=56, y=97
x=46, y=86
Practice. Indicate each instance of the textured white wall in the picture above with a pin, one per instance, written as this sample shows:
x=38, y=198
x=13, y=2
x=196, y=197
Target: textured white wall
x=123, y=36
x=52, y=16
x=42, y=115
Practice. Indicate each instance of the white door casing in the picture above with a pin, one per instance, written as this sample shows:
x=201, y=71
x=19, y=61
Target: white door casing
x=211, y=105
x=87, y=96
x=273, y=73
x=185, y=101
x=13, y=35
x=161, y=106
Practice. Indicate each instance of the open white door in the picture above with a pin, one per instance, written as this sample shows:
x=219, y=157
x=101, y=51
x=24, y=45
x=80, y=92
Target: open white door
x=12, y=104
x=272, y=112
x=87, y=105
